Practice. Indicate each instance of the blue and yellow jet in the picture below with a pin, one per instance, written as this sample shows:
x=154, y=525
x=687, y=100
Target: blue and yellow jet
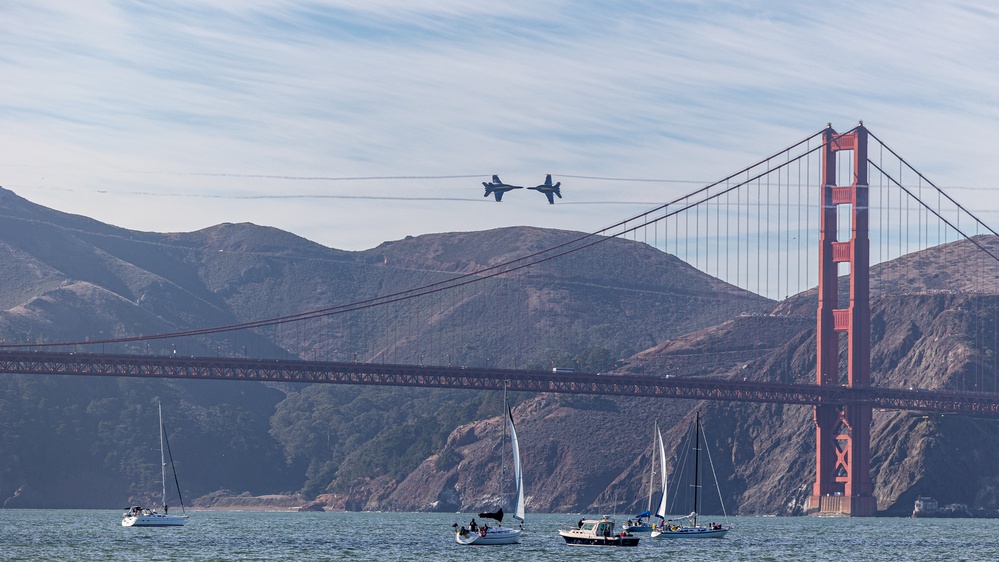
x=548, y=189
x=498, y=188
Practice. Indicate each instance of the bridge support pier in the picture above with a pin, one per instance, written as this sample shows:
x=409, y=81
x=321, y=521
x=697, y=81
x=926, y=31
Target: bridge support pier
x=843, y=433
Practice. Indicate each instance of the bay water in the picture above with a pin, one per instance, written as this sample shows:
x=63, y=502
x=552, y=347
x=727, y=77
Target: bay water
x=239, y=535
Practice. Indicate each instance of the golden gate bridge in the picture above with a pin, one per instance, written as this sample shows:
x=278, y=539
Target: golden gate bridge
x=801, y=227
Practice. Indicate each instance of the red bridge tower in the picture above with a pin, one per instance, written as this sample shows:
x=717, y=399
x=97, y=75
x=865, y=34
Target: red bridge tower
x=843, y=433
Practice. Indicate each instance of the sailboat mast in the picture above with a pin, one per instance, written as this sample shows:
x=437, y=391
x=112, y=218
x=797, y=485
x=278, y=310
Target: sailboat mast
x=697, y=459
x=159, y=406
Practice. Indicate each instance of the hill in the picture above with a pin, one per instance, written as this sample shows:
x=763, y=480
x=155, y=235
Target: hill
x=78, y=442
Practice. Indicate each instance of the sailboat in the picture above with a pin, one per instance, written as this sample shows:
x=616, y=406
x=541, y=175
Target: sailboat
x=686, y=527
x=641, y=522
x=138, y=516
x=486, y=534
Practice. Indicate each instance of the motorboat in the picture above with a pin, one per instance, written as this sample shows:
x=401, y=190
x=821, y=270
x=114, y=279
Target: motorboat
x=597, y=532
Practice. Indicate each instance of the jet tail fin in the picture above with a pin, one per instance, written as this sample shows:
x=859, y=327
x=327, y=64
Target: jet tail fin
x=491, y=189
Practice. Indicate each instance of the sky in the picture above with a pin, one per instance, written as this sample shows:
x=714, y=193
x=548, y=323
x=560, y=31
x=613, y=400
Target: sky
x=351, y=123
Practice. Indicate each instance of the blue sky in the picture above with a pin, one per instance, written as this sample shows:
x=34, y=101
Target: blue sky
x=177, y=115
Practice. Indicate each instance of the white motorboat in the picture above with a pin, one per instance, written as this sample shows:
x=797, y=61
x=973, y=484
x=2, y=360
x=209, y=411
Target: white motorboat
x=597, y=532
x=138, y=516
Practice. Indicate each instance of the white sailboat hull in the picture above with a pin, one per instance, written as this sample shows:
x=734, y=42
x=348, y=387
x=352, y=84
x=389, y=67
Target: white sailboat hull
x=498, y=535
x=153, y=520
x=690, y=533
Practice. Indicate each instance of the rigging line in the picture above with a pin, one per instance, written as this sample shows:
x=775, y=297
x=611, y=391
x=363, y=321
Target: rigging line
x=918, y=173
x=174, y=470
x=938, y=215
x=711, y=463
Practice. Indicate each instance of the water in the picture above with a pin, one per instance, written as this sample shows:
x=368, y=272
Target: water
x=232, y=535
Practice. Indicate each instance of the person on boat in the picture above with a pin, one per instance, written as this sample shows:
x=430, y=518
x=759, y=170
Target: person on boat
x=473, y=525
x=580, y=524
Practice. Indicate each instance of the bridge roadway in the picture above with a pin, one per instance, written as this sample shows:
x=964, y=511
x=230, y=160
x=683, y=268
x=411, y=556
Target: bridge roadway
x=298, y=371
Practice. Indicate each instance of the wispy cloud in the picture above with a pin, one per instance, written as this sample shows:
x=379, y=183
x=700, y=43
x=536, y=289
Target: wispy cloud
x=177, y=115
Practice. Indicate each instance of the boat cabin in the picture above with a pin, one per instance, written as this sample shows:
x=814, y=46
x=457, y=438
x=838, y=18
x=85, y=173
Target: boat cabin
x=602, y=528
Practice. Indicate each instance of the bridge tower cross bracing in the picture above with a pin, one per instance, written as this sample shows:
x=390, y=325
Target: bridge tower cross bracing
x=843, y=433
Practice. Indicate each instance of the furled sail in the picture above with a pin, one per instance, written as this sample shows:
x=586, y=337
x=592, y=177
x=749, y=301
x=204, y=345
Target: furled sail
x=661, y=512
x=518, y=475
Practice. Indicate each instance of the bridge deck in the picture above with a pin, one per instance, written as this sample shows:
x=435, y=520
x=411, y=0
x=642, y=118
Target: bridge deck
x=228, y=368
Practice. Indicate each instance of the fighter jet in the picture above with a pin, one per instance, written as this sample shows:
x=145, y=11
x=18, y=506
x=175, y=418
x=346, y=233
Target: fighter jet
x=548, y=189
x=498, y=188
